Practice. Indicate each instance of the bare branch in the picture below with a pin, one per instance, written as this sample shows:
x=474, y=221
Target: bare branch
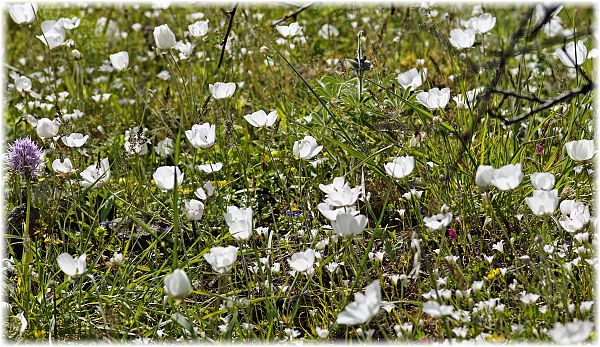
x=547, y=104
x=224, y=43
x=294, y=14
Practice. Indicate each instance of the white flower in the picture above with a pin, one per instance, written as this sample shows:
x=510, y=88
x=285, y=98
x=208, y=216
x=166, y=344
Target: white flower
x=222, y=90
x=571, y=333
x=75, y=140
x=47, y=128
x=5, y=309
x=178, y=285
x=221, y=258
x=339, y=184
x=194, y=209
x=344, y=198
x=71, y=266
x=53, y=33
x=239, y=221
x=507, y=177
x=411, y=79
x=363, y=308
x=205, y=191
x=542, y=180
x=327, y=31
x=330, y=212
x=165, y=147
x=580, y=150
x=302, y=261
x=136, y=141
x=260, y=119
x=573, y=53
x=482, y=24
x=119, y=60
x=575, y=215
x=185, y=49
x=95, y=172
x=63, y=167
x=322, y=332
x=400, y=167
x=461, y=39
x=306, y=148
x=469, y=99
x=484, y=176
x=199, y=28
x=434, y=98
x=202, y=135
x=210, y=168
x=23, y=84
x=434, y=309
x=165, y=177
x=543, y=202
x=23, y=13
x=164, y=37
x=529, y=298
x=289, y=30
x=438, y=221
x=347, y=224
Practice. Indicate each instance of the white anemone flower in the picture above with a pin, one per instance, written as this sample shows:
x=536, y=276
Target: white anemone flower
x=221, y=259
x=363, y=308
x=400, y=167
x=71, y=266
x=260, y=119
x=167, y=177
x=221, y=90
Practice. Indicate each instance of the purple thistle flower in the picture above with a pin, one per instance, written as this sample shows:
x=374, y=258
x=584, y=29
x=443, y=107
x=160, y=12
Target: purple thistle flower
x=25, y=158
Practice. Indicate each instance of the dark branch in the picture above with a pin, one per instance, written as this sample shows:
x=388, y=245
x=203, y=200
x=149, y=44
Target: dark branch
x=515, y=95
x=509, y=52
x=294, y=14
x=547, y=104
x=224, y=43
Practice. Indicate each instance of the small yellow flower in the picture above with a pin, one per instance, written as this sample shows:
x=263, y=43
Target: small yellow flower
x=493, y=337
x=221, y=183
x=493, y=273
x=276, y=153
x=39, y=333
x=266, y=157
x=153, y=181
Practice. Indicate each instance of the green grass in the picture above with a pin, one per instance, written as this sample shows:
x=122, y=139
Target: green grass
x=360, y=132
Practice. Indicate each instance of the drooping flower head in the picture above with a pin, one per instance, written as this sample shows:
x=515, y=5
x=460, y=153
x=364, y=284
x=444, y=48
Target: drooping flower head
x=25, y=158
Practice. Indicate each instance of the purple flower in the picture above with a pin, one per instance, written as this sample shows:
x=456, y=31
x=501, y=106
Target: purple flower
x=25, y=158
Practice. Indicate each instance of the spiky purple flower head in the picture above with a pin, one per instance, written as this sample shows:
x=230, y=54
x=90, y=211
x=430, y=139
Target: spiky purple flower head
x=25, y=157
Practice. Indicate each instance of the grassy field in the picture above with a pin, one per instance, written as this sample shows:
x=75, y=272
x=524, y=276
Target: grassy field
x=361, y=203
